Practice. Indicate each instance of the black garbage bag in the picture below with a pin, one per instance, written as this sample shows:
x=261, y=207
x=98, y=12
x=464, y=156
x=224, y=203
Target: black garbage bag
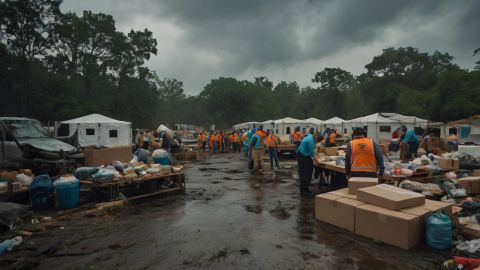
x=10, y=213
x=468, y=162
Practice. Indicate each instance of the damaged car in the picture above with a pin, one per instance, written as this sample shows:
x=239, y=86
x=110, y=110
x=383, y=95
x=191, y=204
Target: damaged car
x=25, y=143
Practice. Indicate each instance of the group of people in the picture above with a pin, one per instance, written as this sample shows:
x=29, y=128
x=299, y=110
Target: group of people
x=220, y=141
x=151, y=140
x=363, y=157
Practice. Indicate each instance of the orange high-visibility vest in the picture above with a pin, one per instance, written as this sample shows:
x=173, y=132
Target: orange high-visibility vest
x=232, y=138
x=363, y=155
x=297, y=136
x=219, y=139
x=333, y=136
x=263, y=136
x=236, y=138
x=272, y=141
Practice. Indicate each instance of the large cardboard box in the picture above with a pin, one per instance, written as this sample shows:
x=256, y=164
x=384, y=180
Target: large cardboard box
x=336, y=210
x=396, y=228
x=355, y=183
x=471, y=231
x=331, y=151
x=343, y=193
x=476, y=173
x=430, y=206
x=390, y=197
x=470, y=184
x=97, y=157
x=437, y=205
x=449, y=164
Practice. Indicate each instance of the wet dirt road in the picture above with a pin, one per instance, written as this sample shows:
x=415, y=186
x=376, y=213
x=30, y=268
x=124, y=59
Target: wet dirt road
x=228, y=219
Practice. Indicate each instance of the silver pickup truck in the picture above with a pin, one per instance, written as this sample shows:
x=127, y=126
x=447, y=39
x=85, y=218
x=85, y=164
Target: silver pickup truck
x=25, y=143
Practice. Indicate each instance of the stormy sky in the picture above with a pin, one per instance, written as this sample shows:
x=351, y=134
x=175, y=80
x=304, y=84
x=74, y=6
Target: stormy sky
x=285, y=40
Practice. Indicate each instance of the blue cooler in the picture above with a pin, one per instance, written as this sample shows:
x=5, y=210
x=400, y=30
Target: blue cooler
x=67, y=191
x=162, y=160
x=41, y=193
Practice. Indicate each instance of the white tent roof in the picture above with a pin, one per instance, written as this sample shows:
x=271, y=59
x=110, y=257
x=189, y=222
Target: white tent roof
x=333, y=120
x=267, y=122
x=93, y=119
x=391, y=118
x=162, y=127
x=288, y=120
x=313, y=120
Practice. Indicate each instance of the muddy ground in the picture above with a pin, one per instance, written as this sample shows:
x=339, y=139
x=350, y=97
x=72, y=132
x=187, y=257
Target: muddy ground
x=228, y=219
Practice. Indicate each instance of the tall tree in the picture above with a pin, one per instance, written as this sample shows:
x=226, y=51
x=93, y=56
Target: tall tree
x=335, y=82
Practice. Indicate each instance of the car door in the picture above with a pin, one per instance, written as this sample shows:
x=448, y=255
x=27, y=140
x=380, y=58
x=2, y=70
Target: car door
x=9, y=149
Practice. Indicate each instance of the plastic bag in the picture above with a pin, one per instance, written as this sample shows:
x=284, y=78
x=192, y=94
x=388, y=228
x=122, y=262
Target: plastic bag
x=104, y=176
x=439, y=231
x=24, y=179
x=469, y=246
x=160, y=153
x=84, y=173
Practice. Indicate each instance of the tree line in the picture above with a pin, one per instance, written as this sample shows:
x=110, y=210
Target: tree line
x=57, y=66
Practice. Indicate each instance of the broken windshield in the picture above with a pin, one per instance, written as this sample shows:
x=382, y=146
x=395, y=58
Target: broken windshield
x=26, y=128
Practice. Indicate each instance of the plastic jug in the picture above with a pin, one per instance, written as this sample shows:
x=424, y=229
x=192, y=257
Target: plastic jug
x=439, y=231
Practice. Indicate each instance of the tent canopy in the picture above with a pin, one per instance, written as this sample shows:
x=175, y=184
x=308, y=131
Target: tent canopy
x=288, y=120
x=162, y=128
x=467, y=121
x=96, y=129
x=333, y=120
x=313, y=120
x=94, y=118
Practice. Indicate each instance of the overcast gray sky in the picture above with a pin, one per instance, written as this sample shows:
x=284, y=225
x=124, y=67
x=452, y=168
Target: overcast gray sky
x=200, y=40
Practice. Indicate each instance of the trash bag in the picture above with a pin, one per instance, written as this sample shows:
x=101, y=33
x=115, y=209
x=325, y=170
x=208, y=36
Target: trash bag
x=104, y=176
x=9, y=244
x=471, y=208
x=84, y=173
x=469, y=246
x=10, y=213
x=24, y=179
x=439, y=231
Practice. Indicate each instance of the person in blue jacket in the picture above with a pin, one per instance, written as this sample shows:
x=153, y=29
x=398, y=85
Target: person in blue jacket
x=412, y=140
x=305, y=155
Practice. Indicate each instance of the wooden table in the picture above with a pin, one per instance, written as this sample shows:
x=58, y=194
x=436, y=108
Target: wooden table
x=114, y=188
x=333, y=174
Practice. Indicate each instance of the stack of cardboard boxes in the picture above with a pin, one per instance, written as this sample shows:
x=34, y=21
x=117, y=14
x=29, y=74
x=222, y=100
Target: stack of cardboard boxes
x=381, y=212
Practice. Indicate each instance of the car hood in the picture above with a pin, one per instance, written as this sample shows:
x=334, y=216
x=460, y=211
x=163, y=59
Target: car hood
x=48, y=144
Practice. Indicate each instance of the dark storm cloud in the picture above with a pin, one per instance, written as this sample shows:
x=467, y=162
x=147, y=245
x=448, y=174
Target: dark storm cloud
x=268, y=36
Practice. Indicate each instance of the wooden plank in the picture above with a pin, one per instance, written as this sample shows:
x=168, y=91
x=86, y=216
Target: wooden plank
x=156, y=193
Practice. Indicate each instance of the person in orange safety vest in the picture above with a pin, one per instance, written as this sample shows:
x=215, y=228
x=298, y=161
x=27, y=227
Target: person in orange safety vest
x=363, y=157
x=272, y=142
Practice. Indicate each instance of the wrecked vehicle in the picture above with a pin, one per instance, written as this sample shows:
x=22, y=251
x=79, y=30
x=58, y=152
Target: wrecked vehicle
x=25, y=143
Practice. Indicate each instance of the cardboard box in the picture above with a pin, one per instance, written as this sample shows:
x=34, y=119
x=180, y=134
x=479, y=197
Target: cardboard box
x=396, y=228
x=331, y=151
x=355, y=183
x=476, y=173
x=336, y=210
x=343, y=193
x=437, y=205
x=471, y=231
x=449, y=164
x=97, y=157
x=390, y=197
x=470, y=184
x=430, y=206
